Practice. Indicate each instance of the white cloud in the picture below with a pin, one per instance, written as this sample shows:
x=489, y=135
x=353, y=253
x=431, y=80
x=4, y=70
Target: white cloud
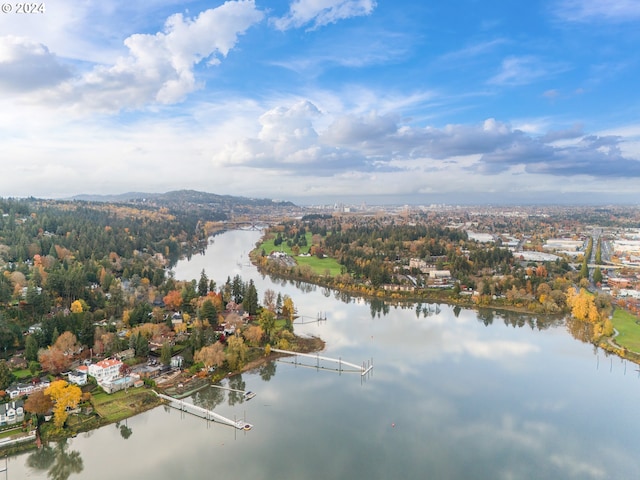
x=291, y=141
x=522, y=70
x=26, y=65
x=599, y=10
x=322, y=12
x=159, y=68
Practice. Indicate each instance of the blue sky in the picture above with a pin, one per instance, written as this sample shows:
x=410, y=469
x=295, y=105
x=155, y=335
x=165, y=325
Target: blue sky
x=324, y=100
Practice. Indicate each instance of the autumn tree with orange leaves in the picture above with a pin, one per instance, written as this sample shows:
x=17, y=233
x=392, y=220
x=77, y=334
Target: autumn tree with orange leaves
x=38, y=403
x=59, y=356
x=173, y=300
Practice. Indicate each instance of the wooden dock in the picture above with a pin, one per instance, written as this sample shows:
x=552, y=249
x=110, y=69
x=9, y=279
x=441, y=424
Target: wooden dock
x=204, y=413
x=363, y=369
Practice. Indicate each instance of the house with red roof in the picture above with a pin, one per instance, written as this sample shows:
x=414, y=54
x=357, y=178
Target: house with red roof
x=105, y=370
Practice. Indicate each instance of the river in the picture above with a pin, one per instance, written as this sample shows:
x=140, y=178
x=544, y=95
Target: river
x=454, y=394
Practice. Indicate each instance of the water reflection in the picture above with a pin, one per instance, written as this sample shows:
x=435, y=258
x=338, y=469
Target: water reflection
x=58, y=461
x=378, y=307
x=517, y=319
x=208, y=398
x=580, y=330
x=125, y=430
x=267, y=371
x=237, y=387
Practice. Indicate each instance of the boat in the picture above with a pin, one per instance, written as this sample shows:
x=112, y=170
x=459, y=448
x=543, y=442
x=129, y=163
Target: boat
x=248, y=395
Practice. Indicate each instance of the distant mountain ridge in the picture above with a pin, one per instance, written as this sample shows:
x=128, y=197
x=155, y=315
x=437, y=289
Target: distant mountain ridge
x=201, y=205
x=182, y=197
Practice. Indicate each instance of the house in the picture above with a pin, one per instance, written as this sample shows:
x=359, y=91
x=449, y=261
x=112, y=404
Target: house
x=11, y=412
x=17, y=361
x=126, y=354
x=177, y=361
x=105, y=370
x=79, y=375
x=22, y=389
x=36, y=327
x=115, y=385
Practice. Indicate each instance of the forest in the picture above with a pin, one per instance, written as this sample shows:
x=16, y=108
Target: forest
x=95, y=270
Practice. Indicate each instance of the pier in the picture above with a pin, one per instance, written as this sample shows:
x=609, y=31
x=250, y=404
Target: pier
x=363, y=369
x=204, y=413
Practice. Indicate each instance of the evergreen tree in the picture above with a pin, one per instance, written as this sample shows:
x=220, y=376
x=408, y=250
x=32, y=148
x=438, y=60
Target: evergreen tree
x=203, y=284
x=208, y=312
x=597, y=276
x=250, y=302
x=6, y=377
x=165, y=353
x=31, y=348
x=237, y=290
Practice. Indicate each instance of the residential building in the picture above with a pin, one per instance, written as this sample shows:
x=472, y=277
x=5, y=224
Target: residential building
x=23, y=389
x=79, y=375
x=105, y=370
x=11, y=412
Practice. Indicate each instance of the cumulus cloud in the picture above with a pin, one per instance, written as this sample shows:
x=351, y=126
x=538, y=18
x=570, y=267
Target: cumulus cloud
x=575, y=131
x=160, y=68
x=318, y=13
x=289, y=141
x=26, y=65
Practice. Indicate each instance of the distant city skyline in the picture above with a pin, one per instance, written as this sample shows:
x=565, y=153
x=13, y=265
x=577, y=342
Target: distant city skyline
x=311, y=101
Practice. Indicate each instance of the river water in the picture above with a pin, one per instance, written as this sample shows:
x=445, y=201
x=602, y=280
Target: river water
x=454, y=394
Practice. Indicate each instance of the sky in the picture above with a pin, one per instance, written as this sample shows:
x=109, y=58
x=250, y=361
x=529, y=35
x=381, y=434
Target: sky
x=324, y=101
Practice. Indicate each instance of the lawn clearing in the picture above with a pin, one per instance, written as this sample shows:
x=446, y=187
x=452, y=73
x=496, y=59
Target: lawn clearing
x=124, y=404
x=320, y=266
x=629, y=330
x=24, y=373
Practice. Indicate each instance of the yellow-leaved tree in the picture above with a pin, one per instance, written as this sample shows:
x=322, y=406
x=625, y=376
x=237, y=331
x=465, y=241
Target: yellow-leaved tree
x=582, y=304
x=76, y=307
x=210, y=356
x=64, y=396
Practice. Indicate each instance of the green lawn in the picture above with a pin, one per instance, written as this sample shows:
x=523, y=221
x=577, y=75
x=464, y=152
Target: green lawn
x=10, y=432
x=320, y=266
x=24, y=373
x=629, y=330
x=123, y=404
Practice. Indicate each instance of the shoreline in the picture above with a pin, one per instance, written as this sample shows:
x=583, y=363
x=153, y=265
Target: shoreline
x=393, y=298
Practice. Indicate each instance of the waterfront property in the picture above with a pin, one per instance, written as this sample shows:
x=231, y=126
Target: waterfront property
x=11, y=412
x=105, y=370
x=78, y=376
x=22, y=389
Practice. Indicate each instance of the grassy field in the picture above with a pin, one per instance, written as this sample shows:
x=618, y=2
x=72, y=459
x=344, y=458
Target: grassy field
x=320, y=266
x=629, y=330
x=10, y=432
x=123, y=404
x=24, y=373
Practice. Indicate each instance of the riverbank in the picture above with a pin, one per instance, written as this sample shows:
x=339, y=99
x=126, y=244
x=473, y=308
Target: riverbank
x=107, y=409
x=629, y=349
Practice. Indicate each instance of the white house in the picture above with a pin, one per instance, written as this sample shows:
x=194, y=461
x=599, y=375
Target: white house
x=79, y=375
x=21, y=389
x=105, y=370
x=11, y=412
